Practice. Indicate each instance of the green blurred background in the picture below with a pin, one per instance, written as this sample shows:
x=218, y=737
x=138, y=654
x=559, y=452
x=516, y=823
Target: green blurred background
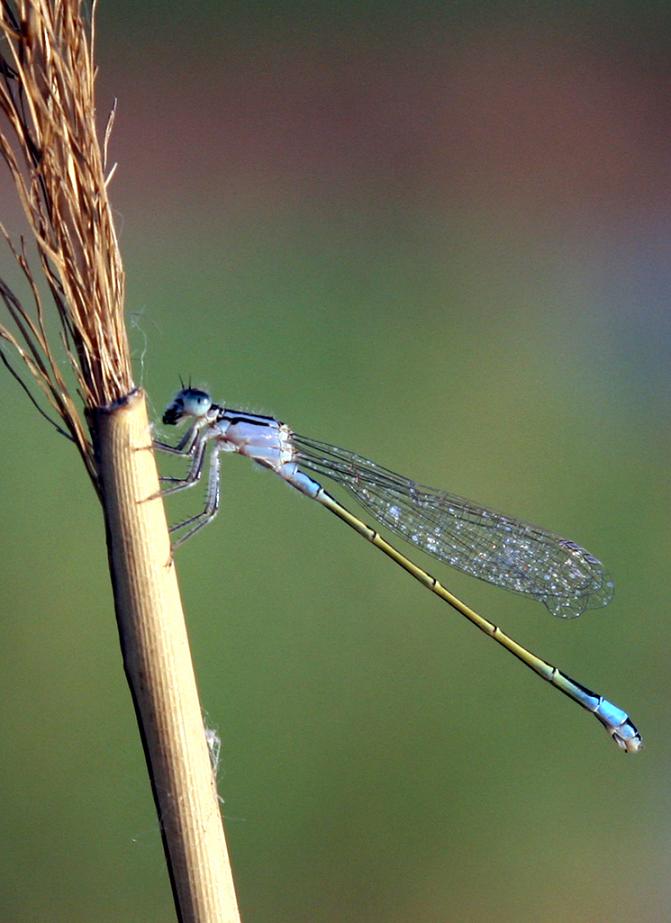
x=437, y=235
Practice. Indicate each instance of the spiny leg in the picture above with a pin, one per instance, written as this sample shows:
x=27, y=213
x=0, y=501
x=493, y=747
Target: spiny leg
x=191, y=445
x=186, y=444
x=197, y=454
x=200, y=520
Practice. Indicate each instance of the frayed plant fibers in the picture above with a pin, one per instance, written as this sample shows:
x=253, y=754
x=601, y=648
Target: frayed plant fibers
x=50, y=145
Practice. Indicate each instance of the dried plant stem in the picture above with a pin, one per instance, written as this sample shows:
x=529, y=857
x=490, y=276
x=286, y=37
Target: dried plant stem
x=50, y=146
x=158, y=665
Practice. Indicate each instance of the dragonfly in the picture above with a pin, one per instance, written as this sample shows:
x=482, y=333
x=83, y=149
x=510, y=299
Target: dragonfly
x=474, y=539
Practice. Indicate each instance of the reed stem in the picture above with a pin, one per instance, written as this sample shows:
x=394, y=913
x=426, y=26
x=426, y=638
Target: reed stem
x=158, y=665
x=50, y=146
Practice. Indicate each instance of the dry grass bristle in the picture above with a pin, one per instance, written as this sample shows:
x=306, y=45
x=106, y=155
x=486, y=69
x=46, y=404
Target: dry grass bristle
x=51, y=148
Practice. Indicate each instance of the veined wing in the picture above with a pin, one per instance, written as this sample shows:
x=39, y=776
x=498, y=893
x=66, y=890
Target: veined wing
x=502, y=550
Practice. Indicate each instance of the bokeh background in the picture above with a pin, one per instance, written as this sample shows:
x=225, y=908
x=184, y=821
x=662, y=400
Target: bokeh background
x=437, y=234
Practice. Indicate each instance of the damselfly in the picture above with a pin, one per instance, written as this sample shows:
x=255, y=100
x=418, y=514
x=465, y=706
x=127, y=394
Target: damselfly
x=504, y=551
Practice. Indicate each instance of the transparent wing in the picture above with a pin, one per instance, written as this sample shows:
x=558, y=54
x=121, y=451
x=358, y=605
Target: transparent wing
x=504, y=551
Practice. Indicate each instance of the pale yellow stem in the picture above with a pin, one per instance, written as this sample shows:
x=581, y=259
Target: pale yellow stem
x=158, y=665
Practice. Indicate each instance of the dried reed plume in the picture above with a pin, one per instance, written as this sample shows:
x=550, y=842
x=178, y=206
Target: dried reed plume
x=47, y=77
x=47, y=95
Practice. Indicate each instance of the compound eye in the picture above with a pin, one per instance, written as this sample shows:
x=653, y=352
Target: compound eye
x=197, y=403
